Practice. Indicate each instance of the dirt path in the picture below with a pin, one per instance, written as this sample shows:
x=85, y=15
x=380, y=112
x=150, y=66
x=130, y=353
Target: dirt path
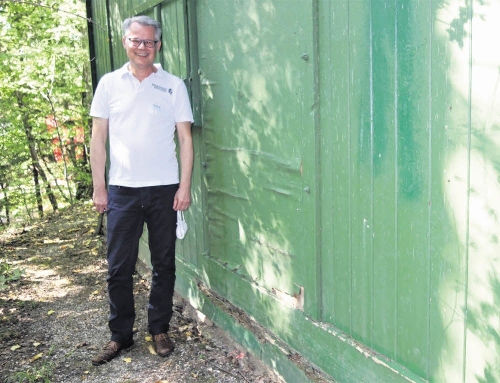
x=53, y=319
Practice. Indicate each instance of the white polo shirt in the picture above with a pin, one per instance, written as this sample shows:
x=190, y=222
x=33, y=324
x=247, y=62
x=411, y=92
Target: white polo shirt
x=142, y=117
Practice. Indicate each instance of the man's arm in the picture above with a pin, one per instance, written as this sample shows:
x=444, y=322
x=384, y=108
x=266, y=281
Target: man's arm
x=98, y=162
x=182, y=198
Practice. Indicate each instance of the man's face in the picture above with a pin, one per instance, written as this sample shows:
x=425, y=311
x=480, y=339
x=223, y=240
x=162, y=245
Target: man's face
x=140, y=56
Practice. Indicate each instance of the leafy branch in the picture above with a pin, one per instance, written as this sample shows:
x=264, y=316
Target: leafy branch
x=43, y=72
x=54, y=8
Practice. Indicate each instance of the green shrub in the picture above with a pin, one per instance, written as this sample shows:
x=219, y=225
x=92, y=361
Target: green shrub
x=8, y=273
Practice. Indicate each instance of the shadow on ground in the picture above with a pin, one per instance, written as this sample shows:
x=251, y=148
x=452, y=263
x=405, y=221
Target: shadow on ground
x=54, y=318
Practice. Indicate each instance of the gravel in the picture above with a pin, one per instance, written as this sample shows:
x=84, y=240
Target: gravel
x=53, y=319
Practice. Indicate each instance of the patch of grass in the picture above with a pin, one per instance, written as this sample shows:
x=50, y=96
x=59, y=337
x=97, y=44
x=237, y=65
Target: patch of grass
x=36, y=374
x=8, y=273
x=28, y=305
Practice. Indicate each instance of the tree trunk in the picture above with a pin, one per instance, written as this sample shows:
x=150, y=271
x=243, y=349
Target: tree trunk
x=6, y=202
x=38, y=194
x=61, y=147
x=37, y=168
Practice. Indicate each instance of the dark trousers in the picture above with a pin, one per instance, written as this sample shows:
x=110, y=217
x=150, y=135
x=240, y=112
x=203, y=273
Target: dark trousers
x=128, y=210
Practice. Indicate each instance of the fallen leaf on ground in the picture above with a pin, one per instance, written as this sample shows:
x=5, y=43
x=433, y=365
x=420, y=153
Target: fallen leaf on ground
x=14, y=348
x=50, y=312
x=36, y=357
x=151, y=350
x=36, y=344
x=127, y=360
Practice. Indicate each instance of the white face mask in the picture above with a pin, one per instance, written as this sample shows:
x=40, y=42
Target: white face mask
x=181, y=225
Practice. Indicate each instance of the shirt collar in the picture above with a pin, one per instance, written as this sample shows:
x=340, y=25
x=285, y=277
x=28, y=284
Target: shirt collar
x=123, y=71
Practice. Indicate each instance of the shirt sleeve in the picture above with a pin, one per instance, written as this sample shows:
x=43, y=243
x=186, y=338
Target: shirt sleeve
x=182, y=107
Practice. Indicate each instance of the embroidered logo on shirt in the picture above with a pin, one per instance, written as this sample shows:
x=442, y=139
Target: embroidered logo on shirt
x=161, y=88
x=170, y=90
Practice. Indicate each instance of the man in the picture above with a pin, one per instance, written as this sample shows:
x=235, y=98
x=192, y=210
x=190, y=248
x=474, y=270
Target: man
x=140, y=106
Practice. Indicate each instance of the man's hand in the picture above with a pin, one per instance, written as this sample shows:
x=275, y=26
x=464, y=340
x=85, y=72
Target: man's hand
x=100, y=198
x=182, y=199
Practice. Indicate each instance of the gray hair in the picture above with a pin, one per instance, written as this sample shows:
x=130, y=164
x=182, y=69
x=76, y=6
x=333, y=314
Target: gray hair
x=145, y=21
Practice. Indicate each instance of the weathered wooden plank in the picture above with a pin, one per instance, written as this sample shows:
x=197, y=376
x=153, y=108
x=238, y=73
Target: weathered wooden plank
x=338, y=355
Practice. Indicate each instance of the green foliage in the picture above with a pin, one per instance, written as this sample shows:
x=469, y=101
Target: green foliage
x=35, y=374
x=44, y=99
x=41, y=373
x=8, y=273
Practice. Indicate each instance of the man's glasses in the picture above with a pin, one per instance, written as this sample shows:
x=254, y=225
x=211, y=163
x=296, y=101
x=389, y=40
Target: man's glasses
x=138, y=42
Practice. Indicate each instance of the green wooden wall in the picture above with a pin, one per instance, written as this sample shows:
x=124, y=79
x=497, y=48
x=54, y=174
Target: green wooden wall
x=346, y=181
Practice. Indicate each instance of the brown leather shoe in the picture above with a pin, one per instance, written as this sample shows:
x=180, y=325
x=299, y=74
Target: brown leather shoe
x=110, y=351
x=163, y=344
